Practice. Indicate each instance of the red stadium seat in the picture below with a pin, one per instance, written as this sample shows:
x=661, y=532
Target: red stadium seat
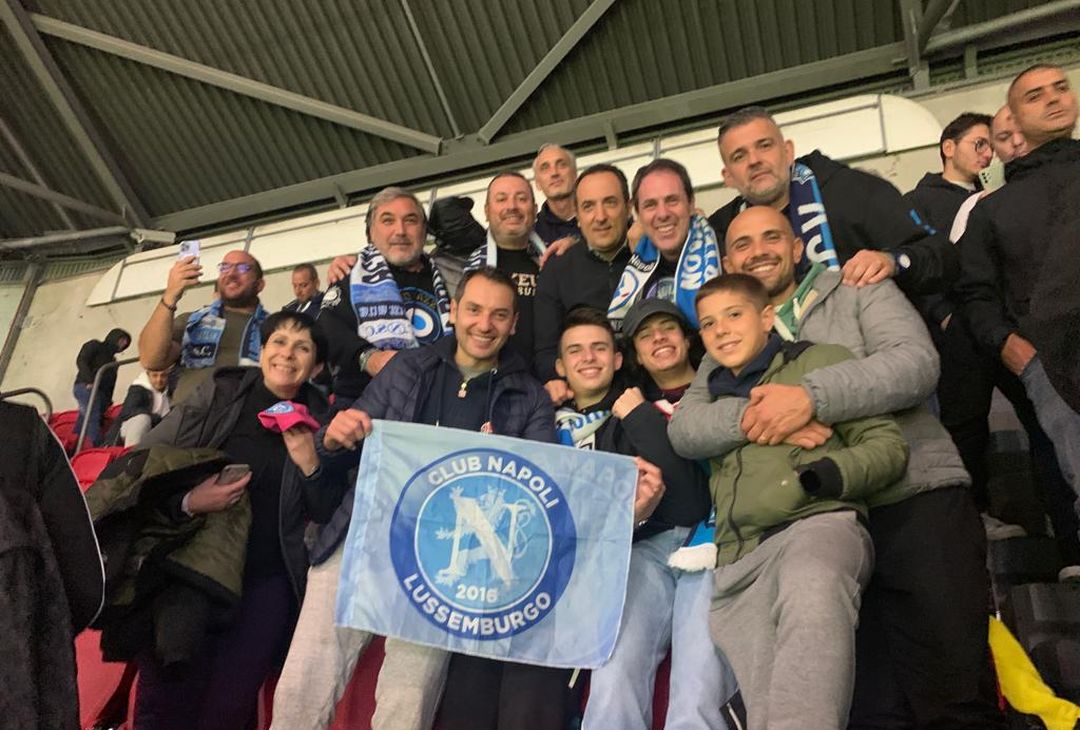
x=103, y=686
x=89, y=463
x=62, y=424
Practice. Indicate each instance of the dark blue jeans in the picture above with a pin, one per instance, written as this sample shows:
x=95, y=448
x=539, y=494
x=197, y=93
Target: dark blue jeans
x=101, y=403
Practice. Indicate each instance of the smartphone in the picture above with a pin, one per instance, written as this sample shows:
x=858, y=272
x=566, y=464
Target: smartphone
x=188, y=248
x=232, y=472
x=992, y=176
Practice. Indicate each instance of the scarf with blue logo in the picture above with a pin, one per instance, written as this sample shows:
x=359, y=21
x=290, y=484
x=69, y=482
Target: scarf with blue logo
x=202, y=335
x=807, y=213
x=579, y=429
x=698, y=262
x=381, y=317
x=487, y=255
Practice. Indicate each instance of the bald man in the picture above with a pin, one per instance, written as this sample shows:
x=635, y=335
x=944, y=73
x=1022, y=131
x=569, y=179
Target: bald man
x=921, y=642
x=225, y=332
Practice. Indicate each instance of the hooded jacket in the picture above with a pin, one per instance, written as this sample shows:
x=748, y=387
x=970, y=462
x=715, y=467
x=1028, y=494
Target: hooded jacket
x=895, y=370
x=865, y=211
x=1021, y=262
x=94, y=354
x=517, y=406
x=937, y=200
x=759, y=489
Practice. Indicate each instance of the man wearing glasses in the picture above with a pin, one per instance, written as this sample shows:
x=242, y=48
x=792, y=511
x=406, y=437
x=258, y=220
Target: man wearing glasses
x=225, y=332
x=965, y=150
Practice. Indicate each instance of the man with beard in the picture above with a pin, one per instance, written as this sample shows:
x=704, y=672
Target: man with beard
x=848, y=218
x=555, y=171
x=393, y=299
x=921, y=647
x=513, y=248
x=226, y=332
x=585, y=275
x=1020, y=264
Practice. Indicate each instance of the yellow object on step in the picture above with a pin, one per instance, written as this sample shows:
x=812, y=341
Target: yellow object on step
x=1021, y=684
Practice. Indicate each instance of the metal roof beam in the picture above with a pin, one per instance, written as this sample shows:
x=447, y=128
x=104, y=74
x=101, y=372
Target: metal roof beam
x=936, y=11
x=443, y=101
x=67, y=104
x=40, y=191
x=236, y=83
x=1006, y=23
x=33, y=241
x=460, y=160
x=547, y=64
x=24, y=159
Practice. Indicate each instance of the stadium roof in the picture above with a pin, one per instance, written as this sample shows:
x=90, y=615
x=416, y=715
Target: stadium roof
x=199, y=115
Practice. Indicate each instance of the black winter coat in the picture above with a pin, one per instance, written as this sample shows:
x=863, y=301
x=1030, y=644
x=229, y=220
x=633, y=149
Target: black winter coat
x=518, y=406
x=866, y=211
x=1021, y=262
x=643, y=433
x=51, y=579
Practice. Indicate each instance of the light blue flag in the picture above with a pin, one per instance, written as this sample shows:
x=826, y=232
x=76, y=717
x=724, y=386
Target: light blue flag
x=489, y=545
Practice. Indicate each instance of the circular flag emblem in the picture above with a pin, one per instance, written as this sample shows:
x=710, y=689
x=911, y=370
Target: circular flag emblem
x=482, y=541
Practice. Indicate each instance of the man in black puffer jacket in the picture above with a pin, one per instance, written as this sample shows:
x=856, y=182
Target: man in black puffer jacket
x=1020, y=263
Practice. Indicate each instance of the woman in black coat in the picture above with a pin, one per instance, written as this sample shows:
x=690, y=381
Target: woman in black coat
x=287, y=489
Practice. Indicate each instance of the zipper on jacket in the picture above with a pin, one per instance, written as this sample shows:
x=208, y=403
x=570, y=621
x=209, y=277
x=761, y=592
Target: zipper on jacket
x=731, y=507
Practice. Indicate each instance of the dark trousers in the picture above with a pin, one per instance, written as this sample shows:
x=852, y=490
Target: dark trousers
x=485, y=694
x=965, y=390
x=219, y=689
x=93, y=411
x=922, y=657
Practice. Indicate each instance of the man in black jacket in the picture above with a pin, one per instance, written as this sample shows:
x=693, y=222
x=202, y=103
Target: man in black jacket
x=393, y=299
x=94, y=355
x=585, y=275
x=1020, y=263
x=965, y=149
x=555, y=170
x=305, y=286
x=847, y=218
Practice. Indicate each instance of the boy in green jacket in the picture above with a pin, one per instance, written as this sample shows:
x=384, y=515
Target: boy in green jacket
x=793, y=553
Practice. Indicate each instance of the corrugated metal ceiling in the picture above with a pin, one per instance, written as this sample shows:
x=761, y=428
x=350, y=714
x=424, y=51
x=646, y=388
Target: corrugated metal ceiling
x=183, y=144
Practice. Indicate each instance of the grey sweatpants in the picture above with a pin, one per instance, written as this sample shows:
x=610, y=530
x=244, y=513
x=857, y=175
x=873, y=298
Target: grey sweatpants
x=785, y=617
x=322, y=658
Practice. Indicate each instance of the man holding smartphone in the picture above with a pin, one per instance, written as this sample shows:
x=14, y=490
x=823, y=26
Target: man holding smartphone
x=226, y=332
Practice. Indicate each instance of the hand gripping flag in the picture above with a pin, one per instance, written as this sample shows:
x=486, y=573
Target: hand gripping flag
x=489, y=545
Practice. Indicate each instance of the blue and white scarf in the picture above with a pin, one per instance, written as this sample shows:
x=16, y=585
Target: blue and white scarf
x=381, y=316
x=698, y=262
x=579, y=429
x=806, y=210
x=202, y=335
x=487, y=255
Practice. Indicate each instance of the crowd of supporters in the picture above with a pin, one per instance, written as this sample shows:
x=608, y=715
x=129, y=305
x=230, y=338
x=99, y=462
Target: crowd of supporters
x=804, y=379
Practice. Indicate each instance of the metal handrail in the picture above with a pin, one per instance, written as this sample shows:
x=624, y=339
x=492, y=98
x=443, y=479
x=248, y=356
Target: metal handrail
x=35, y=391
x=93, y=394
